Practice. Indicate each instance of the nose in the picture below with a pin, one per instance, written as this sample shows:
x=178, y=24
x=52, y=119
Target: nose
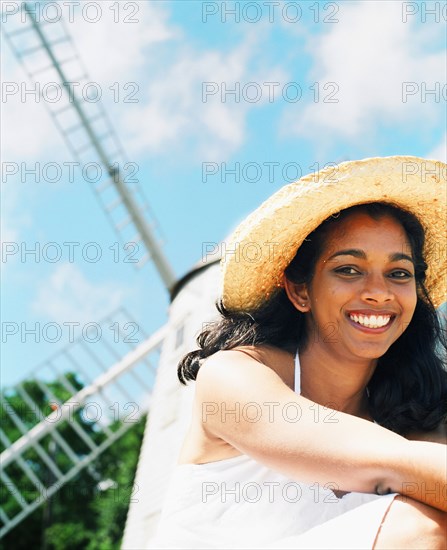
x=376, y=289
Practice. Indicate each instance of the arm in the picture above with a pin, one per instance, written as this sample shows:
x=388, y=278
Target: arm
x=248, y=405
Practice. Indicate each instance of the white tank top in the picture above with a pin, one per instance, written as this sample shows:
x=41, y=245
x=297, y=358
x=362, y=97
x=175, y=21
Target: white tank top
x=240, y=503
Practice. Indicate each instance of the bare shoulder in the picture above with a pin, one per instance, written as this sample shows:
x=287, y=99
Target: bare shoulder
x=438, y=435
x=245, y=365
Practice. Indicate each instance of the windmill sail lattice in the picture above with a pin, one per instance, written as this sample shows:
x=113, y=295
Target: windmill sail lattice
x=48, y=55
x=76, y=404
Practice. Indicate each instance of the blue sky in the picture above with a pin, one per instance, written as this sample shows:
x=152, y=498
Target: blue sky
x=315, y=82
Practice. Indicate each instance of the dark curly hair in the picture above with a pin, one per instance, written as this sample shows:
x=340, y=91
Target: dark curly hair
x=408, y=391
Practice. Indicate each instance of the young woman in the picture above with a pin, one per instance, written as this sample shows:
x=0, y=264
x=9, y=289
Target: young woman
x=326, y=373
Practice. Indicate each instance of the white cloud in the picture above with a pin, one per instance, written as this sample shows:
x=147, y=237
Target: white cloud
x=188, y=109
x=27, y=127
x=116, y=51
x=12, y=217
x=369, y=55
x=14, y=220
x=67, y=296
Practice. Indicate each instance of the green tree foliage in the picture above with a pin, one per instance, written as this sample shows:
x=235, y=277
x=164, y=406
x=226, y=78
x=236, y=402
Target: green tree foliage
x=89, y=511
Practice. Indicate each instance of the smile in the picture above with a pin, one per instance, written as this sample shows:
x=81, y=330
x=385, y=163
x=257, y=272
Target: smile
x=371, y=321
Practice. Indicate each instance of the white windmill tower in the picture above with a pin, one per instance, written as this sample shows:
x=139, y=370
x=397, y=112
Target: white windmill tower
x=49, y=55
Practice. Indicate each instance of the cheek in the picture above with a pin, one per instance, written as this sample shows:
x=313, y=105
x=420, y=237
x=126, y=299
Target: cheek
x=338, y=290
x=328, y=293
x=409, y=299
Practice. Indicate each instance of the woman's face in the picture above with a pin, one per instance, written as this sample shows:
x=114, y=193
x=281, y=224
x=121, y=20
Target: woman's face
x=363, y=293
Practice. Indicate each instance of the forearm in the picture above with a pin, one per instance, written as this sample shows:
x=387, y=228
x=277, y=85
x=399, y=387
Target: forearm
x=364, y=457
x=422, y=474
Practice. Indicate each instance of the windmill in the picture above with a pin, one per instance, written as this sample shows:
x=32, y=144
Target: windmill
x=48, y=54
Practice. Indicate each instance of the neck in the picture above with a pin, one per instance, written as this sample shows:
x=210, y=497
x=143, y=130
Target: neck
x=336, y=382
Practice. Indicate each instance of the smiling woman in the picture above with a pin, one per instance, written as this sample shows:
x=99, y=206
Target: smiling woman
x=359, y=280
x=328, y=362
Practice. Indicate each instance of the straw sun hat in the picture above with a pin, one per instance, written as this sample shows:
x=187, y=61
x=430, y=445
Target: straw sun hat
x=263, y=245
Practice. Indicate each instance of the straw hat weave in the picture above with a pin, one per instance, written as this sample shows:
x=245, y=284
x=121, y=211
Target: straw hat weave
x=265, y=243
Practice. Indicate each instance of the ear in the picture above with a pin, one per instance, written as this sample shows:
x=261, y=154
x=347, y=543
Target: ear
x=297, y=294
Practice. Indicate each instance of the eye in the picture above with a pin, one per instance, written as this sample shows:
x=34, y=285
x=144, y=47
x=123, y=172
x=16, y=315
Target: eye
x=401, y=274
x=346, y=271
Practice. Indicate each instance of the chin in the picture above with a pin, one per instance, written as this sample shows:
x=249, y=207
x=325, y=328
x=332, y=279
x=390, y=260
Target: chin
x=371, y=353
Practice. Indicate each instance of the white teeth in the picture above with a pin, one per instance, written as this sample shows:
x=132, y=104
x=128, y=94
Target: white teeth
x=372, y=321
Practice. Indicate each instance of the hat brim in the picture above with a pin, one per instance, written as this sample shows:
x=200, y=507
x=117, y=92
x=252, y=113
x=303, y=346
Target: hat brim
x=264, y=244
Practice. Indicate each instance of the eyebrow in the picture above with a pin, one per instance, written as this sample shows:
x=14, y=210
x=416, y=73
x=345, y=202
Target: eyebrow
x=357, y=253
